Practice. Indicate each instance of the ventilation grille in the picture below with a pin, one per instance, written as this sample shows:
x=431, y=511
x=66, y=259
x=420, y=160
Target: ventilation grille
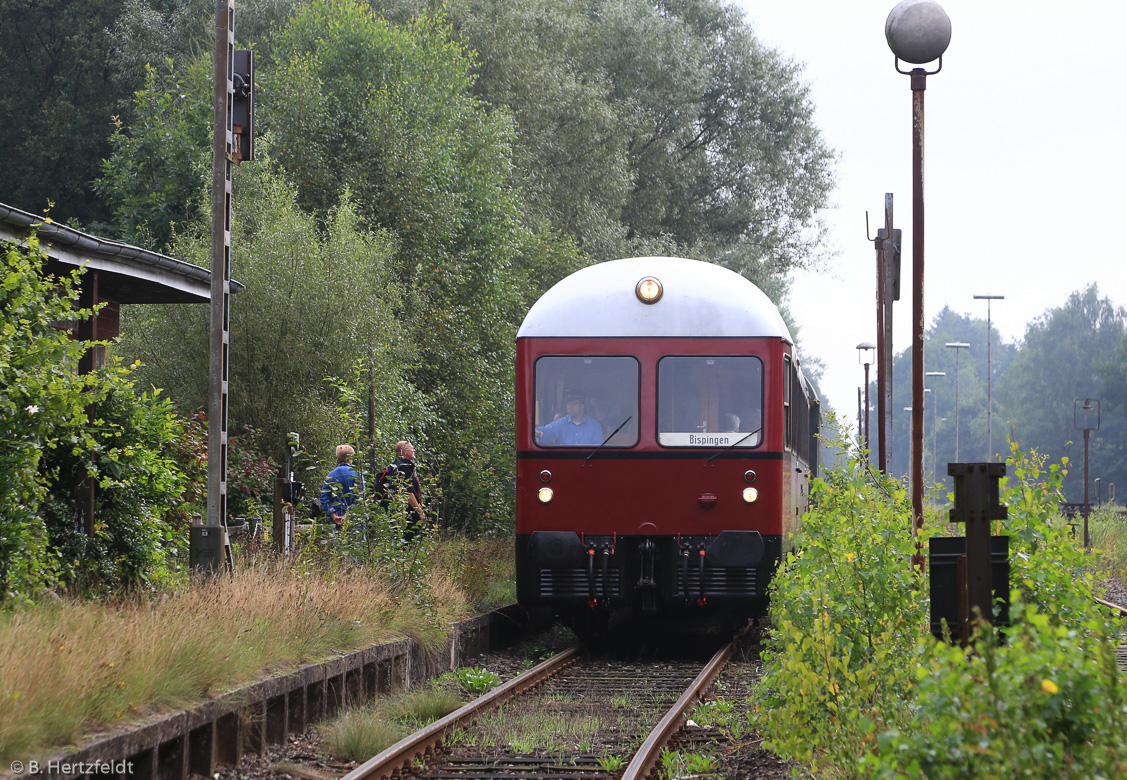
x=573, y=583
x=735, y=581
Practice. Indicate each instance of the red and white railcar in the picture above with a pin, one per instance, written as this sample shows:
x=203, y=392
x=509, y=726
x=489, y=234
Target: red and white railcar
x=685, y=462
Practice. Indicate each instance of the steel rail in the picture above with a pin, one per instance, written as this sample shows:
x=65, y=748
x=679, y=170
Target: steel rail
x=1121, y=610
x=391, y=760
x=648, y=754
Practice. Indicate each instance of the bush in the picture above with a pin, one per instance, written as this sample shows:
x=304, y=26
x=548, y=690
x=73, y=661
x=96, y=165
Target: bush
x=42, y=408
x=846, y=610
x=1047, y=703
x=130, y=452
x=857, y=687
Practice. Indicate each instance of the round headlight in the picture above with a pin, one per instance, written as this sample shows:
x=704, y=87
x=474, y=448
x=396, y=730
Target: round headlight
x=750, y=495
x=545, y=495
x=648, y=290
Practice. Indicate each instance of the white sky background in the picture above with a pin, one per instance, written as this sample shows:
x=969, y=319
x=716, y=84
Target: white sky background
x=1025, y=163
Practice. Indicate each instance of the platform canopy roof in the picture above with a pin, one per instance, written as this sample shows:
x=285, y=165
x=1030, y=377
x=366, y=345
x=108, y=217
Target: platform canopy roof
x=127, y=274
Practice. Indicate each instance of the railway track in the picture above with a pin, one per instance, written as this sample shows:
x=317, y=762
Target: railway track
x=613, y=713
x=1121, y=651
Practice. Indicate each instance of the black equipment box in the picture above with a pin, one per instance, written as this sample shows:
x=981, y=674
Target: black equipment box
x=944, y=553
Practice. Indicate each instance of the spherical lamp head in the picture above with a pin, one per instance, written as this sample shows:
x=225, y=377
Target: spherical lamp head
x=918, y=31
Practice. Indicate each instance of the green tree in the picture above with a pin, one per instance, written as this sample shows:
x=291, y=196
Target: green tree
x=1059, y=362
x=315, y=301
x=720, y=135
x=155, y=181
x=387, y=112
x=669, y=119
x=536, y=59
x=939, y=415
x=57, y=100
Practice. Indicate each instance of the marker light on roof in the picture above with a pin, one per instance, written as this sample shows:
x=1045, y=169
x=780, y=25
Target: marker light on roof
x=648, y=290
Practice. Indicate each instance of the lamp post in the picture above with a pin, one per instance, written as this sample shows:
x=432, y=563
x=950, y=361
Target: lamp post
x=957, y=345
x=989, y=376
x=1083, y=418
x=865, y=351
x=935, y=423
x=918, y=32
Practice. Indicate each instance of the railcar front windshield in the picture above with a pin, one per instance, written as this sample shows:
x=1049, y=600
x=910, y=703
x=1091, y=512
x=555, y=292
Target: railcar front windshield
x=709, y=401
x=580, y=401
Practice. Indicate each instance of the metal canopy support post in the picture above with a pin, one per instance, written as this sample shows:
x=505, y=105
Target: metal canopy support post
x=220, y=266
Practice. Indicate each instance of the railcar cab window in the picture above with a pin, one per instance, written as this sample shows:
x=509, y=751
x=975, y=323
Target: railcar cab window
x=710, y=401
x=580, y=401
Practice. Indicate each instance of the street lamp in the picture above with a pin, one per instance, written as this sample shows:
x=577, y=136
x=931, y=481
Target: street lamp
x=935, y=423
x=918, y=31
x=957, y=345
x=1083, y=418
x=989, y=375
x=865, y=351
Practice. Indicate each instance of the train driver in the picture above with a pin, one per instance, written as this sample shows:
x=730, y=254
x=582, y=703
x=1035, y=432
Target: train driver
x=573, y=429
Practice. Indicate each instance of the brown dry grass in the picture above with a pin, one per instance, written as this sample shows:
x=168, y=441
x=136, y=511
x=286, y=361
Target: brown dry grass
x=70, y=668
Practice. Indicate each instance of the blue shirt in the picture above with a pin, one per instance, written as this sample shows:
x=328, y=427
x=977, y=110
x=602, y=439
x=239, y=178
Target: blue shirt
x=342, y=488
x=565, y=432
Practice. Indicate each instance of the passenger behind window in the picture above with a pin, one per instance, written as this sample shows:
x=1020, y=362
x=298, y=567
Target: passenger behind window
x=729, y=423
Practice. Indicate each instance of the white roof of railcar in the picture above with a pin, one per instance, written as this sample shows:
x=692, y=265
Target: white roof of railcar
x=699, y=299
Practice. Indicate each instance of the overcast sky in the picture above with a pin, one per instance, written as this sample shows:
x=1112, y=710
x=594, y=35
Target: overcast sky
x=1025, y=168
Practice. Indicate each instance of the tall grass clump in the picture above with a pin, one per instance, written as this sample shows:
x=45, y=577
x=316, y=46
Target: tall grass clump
x=1108, y=529
x=856, y=686
x=72, y=667
x=360, y=733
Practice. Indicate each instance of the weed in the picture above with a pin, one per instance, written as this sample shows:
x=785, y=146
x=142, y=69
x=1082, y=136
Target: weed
x=357, y=735
x=612, y=763
x=418, y=708
x=676, y=764
x=476, y=680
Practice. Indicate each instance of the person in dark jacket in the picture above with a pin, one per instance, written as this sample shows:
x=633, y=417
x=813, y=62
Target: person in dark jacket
x=342, y=488
x=402, y=471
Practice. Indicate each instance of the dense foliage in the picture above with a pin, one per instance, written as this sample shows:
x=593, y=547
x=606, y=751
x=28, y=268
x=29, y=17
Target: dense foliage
x=857, y=687
x=56, y=427
x=387, y=117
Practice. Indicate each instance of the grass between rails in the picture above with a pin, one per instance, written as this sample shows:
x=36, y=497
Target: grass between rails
x=1108, y=531
x=70, y=668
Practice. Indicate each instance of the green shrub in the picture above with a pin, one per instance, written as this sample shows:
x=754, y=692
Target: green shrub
x=474, y=679
x=1046, y=703
x=42, y=408
x=856, y=686
x=129, y=451
x=846, y=611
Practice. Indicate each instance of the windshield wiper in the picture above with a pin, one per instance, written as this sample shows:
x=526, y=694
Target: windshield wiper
x=616, y=430
x=733, y=444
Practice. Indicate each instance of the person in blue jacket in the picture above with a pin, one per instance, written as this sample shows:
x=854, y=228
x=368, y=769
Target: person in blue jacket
x=574, y=429
x=343, y=486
